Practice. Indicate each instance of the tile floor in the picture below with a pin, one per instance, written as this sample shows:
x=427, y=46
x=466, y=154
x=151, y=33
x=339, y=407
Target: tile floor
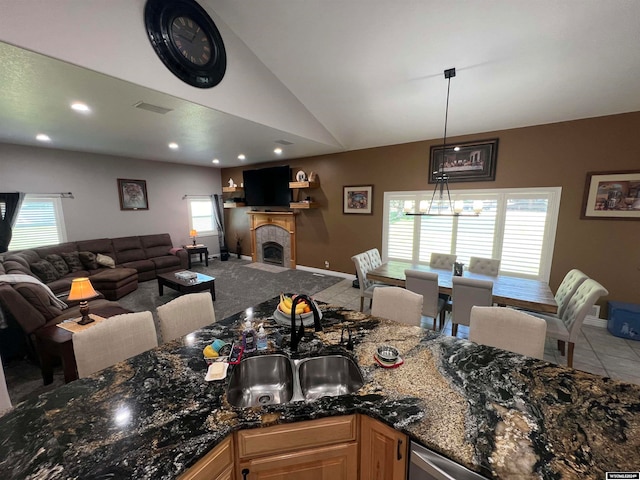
x=597, y=351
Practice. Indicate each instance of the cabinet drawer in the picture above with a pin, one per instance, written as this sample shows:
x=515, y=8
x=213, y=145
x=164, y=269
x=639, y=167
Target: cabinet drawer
x=296, y=436
x=213, y=464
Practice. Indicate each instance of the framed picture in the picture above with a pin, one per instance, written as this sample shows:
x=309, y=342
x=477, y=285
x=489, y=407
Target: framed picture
x=133, y=194
x=465, y=162
x=358, y=199
x=612, y=195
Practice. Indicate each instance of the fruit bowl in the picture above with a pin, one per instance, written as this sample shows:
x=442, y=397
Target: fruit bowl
x=283, y=318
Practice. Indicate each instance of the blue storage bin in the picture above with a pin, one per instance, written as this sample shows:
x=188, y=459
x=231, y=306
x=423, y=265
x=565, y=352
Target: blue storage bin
x=624, y=320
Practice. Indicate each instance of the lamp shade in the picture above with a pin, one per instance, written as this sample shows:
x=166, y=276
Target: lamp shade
x=81, y=289
x=193, y=233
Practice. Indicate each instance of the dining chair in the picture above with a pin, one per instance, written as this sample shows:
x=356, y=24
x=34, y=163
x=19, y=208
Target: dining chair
x=365, y=262
x=442, y=260
x=113, y=340
x=426, y=284
x=508, y=329
x=484, y=266
x=5, y=401
x=185, y=314
x=466, y=293
x=399, y=304
x=567, y=327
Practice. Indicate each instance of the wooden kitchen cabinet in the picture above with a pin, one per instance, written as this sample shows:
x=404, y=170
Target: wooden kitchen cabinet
x=215, y=465
x=383, y=451
x=316, y=449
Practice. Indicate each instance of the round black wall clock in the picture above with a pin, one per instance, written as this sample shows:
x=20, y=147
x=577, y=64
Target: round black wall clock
x=186, y=40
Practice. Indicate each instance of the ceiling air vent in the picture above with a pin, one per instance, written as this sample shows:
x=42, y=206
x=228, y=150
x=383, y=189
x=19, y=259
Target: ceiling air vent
x=152, y=108
x=283, y=142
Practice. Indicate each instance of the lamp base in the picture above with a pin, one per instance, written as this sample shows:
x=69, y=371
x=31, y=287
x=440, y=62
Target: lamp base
x=84, y=311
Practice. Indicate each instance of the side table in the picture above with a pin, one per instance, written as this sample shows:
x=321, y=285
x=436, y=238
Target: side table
x=201, y=249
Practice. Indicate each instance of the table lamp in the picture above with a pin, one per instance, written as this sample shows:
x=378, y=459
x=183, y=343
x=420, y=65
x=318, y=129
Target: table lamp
x=82, y=290
x=193, y=234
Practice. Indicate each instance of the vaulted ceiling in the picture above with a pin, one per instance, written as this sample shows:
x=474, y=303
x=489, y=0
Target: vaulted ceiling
x=319, y=76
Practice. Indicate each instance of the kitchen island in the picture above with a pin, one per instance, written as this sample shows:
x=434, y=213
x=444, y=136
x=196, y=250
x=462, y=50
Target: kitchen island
x=498, y=413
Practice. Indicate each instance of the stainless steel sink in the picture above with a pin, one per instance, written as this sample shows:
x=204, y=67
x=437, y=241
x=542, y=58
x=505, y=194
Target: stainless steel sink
x=328, y=376
x=262, y=380
x=275, y=379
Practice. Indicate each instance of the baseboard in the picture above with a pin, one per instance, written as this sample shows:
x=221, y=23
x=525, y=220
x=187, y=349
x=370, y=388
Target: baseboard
x=595, y=321
x=322, y=271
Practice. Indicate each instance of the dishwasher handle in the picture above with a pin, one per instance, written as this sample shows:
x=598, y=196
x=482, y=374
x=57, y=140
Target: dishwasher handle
x=424, y=465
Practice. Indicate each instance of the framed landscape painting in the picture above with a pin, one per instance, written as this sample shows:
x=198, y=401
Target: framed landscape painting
x=612, y=195
x=465, y=162
x=358, y=199
x=133, y=194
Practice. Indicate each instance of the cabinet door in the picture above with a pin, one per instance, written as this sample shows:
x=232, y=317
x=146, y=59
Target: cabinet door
x=215, y=465
x=383, y=451
x=336, y=462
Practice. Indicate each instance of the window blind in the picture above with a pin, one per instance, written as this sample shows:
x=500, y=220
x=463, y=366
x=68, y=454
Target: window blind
x=39, y=223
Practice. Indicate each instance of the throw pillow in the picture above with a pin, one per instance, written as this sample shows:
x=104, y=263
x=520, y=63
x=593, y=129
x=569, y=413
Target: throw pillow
x=105, y=261
x=45, y=271
x=73, y=261
x=88, y=259
x=58, y=262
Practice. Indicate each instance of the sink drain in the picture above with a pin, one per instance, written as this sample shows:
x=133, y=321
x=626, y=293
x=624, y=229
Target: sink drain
x=264, y=399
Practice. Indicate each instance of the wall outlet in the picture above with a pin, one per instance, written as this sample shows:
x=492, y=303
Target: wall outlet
x=326, y=264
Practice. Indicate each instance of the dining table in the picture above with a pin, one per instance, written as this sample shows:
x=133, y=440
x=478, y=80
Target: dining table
x=530, y=294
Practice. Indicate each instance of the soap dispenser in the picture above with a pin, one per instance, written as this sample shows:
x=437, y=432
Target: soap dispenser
x=262, y=339
x=249, y=337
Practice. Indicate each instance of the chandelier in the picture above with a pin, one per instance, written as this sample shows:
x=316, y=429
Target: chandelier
x=441, y=204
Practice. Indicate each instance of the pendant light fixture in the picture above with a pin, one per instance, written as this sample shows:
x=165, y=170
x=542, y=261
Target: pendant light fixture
x=441, y=204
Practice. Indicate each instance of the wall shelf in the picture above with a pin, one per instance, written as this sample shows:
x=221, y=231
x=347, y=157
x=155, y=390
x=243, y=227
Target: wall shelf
x=304, y=205
x=304, y=184
x=232, y=189
x=233, y=204
x=298, y=204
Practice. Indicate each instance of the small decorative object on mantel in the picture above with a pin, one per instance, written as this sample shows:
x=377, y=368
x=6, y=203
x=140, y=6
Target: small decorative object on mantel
x=612, y=195
x=231, y=184
x=358, y=199
x=313, y=177
x=301, y=176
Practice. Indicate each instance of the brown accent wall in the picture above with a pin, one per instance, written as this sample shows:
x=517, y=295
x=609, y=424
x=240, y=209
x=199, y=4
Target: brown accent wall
x=557, y=154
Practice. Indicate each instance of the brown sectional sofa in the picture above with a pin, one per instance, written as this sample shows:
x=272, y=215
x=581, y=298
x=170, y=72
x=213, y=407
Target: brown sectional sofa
x=136, y=258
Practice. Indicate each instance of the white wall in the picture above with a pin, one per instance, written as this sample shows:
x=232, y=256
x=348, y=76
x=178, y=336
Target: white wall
x=92, y=178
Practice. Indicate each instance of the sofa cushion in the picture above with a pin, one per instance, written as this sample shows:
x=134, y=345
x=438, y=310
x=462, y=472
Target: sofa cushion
x=73, y=261
x=56, y=249
x=100, y=245
x=128, y=249
x=17, y=265
x=88, y=259
x=168, y=262
x=156, y=245
x=58, y=262
x=105, y=261
x=45, y=271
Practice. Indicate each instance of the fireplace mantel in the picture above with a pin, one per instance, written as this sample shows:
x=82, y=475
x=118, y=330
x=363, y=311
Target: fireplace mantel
x=284, y=220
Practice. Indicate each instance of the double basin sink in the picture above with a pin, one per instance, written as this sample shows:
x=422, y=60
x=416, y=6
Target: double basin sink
x=274, y=379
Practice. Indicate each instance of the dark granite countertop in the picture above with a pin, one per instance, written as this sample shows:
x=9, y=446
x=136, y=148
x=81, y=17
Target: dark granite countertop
x=501, y=414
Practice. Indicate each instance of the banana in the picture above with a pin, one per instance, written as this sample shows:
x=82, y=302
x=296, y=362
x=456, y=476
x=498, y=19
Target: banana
x=285, y=307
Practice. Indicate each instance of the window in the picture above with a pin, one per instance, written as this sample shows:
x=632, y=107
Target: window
x=516, y=225
x=201, y=216
x=40, y=222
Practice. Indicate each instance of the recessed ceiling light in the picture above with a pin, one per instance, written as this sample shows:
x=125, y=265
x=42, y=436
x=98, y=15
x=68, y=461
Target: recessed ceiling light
x=241, y=157
x=41, y=137
x=215, y=160
x=173, y=146
x=456, y=149
x=80, y=107
x=278, y=151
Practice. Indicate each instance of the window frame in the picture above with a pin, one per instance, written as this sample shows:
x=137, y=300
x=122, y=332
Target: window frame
x=56, y=201
x=553, y=195
x=200, y=198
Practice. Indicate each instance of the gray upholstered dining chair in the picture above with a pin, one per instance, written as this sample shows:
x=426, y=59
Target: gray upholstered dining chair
x=426, y=284
x=467, y=293
x=567, y=327
x=5, y=401
x=398, y=304
x=484, y=266
x=365, y=262
x=185, y=314
x=508, y=329
x=113, y=340
x=444, y=261
x=570, y=283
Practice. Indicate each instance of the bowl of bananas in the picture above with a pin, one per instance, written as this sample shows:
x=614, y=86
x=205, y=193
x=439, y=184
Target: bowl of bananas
x=282, y=314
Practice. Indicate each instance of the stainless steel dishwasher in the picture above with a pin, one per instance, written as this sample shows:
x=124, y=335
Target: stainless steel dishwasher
x=428, y=465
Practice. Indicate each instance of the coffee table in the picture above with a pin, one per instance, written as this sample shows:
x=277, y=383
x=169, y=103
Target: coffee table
x=53, y=341
x=199, y=284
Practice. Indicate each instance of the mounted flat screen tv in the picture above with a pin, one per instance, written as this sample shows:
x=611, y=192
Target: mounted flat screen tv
x=267, y=187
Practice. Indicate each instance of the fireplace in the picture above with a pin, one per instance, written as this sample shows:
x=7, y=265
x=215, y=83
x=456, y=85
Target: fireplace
x=272, y=253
